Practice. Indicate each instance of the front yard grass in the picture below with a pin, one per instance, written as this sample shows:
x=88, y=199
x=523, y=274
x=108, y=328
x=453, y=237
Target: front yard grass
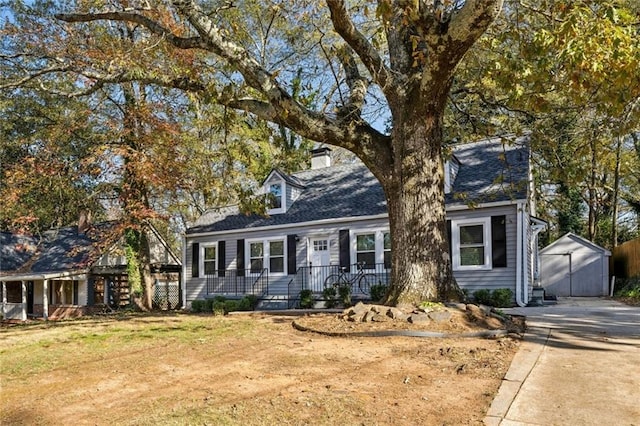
x=239, y=370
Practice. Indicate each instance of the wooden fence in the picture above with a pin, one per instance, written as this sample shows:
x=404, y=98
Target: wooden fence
x=625, y=259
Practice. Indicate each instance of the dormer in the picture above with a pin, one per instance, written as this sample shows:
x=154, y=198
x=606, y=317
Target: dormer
x=281, y=191
x=451, y=167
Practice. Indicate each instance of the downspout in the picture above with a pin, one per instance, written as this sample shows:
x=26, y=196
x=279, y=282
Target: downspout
x=525, y=251
x=183, y=272
x=519, y=298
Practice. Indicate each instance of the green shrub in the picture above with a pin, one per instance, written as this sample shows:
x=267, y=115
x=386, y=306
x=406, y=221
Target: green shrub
x=247, y=303
x=218, y=307
x=306, y=299
x=482, y=296
x=344, y=293
x=502, y=297
x=378, y=291
x=208, y=305
x=197, y=306
x=329, y=296
x=231, y=306
x=628, y=288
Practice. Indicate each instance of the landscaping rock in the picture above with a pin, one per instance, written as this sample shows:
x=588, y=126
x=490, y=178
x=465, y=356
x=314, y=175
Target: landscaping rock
x=380, y=318
x=418, y=317
x=359, y=308
x=397, y=314
x=440, y=316
x=460, y=306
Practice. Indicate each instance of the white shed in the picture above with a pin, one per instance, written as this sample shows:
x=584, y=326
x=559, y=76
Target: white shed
x=572, y=266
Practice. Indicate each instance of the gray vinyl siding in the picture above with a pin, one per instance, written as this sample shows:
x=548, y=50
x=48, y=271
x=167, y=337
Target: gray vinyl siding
x=495, y=277
x=278, y=284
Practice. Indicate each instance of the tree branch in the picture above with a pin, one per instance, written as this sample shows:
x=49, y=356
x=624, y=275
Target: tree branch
x=469, y=22
x=151, y=25
x=358, y=86
x=358, y=42
x=278, y=107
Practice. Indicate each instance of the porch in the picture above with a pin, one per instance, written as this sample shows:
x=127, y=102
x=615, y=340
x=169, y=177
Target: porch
x=277, y=292
x=360, y=278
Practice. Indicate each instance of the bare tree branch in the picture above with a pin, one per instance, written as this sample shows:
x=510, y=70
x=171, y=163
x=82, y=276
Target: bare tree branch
x=358, y=86
x=363, y=48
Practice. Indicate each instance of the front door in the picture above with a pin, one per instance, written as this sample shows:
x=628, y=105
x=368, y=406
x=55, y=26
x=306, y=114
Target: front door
x=319, y=260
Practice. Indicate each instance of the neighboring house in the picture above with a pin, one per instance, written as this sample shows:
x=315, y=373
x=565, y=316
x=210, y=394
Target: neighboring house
x=574, y=266
x=332, y=218
x=76, y=270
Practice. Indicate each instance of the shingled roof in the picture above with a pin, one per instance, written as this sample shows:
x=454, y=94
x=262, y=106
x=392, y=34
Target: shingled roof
x=57, y=251
x=490, y=171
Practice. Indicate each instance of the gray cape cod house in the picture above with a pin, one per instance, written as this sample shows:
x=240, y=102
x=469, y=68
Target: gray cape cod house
x=77, y=270
x=333, y=220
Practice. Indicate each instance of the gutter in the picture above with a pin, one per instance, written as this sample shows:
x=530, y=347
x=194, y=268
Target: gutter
x=337, y=220
x=42, y=276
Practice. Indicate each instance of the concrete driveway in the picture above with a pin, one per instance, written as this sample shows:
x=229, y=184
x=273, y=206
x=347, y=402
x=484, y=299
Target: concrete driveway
x=579, y=364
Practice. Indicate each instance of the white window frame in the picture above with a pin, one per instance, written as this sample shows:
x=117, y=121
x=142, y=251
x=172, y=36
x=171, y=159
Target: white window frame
x=202, y=260
x=283, y=195
x=266, y=255
x=379, y=244
x=455, y=243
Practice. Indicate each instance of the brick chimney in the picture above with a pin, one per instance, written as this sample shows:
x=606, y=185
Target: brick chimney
x=320, y=158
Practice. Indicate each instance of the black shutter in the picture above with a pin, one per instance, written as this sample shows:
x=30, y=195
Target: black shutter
x=195, y=260
x=291, y=254
x=449, y=240
x=345, y=251
x=499, y=241
x=240, y=258
x=75, y=293
x=222, y=258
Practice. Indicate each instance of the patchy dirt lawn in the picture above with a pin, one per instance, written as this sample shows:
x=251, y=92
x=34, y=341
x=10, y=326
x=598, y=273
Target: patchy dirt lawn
x=241, y=370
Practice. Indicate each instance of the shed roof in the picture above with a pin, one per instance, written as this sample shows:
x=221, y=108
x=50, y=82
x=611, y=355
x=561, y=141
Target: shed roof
x=571, y=237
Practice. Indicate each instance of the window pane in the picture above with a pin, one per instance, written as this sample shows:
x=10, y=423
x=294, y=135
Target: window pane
x=210, y=268
x=256, y=265
x=276, y=248
x=387, y=241
x=471, y=234
x=256, y=249
x=68, y=293
x=368, y=258
x=275, y=192
x=387, y=259
x=14, y=292
x=210, y=253
x=366, y=242
x=320, y=245
x=276, y=264
x=471, y=256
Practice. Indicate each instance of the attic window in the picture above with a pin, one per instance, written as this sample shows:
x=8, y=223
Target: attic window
x=276, y=202
x=275, y=196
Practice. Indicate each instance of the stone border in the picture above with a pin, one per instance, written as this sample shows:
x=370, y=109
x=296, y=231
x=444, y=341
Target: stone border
x=488, y=334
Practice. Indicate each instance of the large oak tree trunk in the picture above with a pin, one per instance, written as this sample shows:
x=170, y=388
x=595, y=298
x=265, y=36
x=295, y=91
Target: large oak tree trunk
x=421, y=265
